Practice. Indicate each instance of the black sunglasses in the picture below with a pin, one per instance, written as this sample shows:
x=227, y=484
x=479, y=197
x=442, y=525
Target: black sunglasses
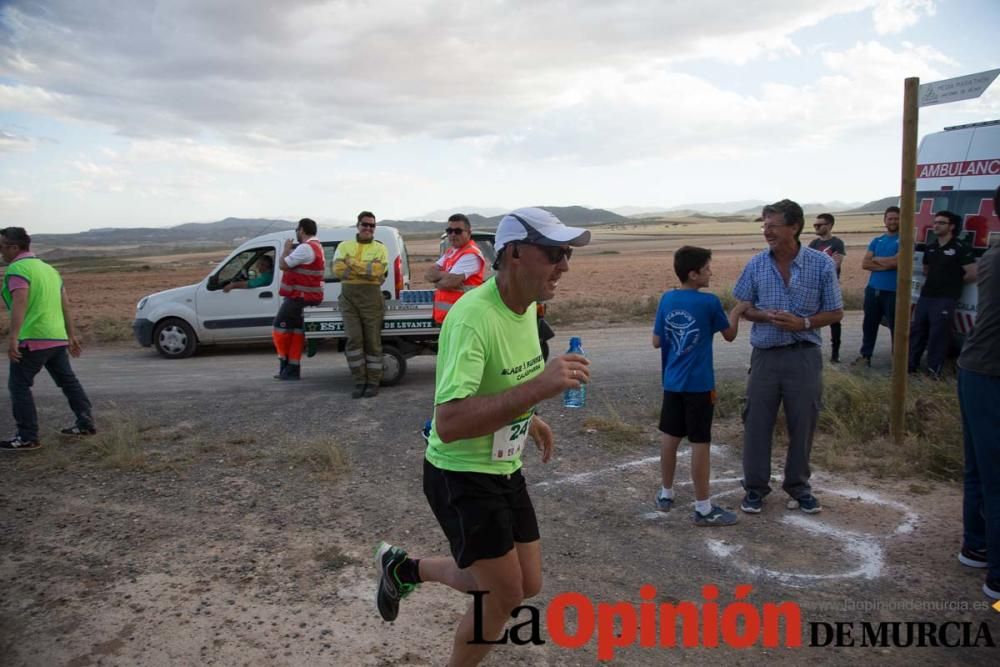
x=367, y=225
x=552, y=253
x=454, y=230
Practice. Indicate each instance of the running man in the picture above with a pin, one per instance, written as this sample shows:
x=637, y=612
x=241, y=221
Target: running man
x=490, y=377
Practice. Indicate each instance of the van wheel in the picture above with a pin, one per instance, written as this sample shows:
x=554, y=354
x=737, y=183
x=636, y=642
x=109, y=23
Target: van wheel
x=174, y=339
x=393, y=366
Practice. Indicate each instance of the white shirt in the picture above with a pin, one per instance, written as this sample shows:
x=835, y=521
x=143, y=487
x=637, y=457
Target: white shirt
x=466, y=266
x=303, y=254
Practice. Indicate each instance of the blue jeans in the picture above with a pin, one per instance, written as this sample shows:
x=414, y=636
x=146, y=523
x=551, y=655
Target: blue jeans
x=978, y=397
x=22, y=376
x=878, y=304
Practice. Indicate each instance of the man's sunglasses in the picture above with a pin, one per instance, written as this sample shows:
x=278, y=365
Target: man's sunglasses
x=554, y=254
x=454, y=230
x=367, y=225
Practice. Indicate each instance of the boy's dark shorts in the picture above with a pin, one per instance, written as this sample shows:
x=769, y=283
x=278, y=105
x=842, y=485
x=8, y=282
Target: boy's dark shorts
x=688, y=414
x=482, y=515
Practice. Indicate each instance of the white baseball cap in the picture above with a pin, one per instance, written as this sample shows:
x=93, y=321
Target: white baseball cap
x=537, y=226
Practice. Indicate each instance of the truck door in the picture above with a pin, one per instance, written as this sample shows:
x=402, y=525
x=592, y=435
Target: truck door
x=240, y=314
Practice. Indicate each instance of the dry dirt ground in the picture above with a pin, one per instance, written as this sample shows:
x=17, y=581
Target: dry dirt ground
x=240, y=533
x=237, y=527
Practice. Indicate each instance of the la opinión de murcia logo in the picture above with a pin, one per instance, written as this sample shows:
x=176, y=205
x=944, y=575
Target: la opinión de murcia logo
x=572, y=621
x=650, y=624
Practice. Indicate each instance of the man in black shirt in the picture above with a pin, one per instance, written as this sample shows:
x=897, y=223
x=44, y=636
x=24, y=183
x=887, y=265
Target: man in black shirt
x=826, y=242
x=948, y=264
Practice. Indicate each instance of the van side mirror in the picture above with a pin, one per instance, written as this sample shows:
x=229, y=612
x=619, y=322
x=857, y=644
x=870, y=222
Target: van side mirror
x=213, y=282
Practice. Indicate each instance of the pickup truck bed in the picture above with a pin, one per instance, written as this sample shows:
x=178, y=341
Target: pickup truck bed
x=407, y=330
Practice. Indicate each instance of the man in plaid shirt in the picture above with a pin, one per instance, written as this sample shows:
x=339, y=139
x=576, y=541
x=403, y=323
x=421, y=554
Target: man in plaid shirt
x=793, y=292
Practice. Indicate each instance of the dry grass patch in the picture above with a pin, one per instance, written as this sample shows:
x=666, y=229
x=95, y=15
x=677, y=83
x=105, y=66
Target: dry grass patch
x=118, y=443
x=109, y=330
x=323, y=456
x=616, y=434
x=853, y=429
x=611, y=311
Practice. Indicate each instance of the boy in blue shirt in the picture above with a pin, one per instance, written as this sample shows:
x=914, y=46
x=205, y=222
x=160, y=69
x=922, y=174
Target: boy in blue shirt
x=685, y=322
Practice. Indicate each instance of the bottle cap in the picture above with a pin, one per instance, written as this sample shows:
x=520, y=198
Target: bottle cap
x=574, y=341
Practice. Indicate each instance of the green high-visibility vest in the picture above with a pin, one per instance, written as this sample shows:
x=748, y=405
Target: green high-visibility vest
x=44, y=317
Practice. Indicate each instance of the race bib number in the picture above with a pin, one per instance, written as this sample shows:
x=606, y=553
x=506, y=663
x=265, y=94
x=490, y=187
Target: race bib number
x=509, y=441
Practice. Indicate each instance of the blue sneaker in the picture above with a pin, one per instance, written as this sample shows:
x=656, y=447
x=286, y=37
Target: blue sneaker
x=752, y=503
x=717, y=517
x=807, y=503
x=663, y=504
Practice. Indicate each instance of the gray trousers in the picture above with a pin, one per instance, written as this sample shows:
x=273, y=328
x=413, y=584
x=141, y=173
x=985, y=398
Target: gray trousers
x=791, y=377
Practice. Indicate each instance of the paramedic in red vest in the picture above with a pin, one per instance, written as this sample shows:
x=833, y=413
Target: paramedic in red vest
x=302, y=269
x=460, y=268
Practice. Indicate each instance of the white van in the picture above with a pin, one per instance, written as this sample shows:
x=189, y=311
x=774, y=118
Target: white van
x=958, y=170
x=177, y=321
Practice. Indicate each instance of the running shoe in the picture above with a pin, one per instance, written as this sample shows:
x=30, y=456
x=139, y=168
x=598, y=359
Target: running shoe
x=716, y=517
x=16, y=444
x=663, y=504
x=972, y=557
x=752, y=503
x=390, y=589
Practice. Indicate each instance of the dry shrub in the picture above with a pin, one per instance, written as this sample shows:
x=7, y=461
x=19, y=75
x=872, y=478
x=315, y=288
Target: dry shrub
x=118, y=443
x=323, y=456
x=573, y=311
x=616, y=434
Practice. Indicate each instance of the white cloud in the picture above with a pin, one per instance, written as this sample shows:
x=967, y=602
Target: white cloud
x=628, y=115
x=15, y=143
x=307, y=75
x=893, y=16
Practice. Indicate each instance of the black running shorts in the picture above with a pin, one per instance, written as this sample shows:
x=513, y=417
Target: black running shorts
x=482, y=515
x=688, y=414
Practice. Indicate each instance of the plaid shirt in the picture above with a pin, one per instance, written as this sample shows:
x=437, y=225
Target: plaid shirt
x=813, y=288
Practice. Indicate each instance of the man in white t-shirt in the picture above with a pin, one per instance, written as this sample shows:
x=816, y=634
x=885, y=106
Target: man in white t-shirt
x=302, y=269
x=461, y=268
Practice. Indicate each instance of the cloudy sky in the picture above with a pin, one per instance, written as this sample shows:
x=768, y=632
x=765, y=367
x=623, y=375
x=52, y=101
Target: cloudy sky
x=150, y=113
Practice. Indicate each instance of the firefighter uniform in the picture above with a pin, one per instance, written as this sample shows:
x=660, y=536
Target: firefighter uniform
x=444, y=299
x=361, y=268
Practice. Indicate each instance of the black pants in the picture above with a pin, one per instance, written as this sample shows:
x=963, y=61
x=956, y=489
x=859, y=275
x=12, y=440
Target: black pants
x=931, y=330
x=835, y=336
x=22, y=376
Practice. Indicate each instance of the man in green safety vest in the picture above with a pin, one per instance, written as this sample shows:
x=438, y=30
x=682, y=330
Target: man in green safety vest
x=42, y=335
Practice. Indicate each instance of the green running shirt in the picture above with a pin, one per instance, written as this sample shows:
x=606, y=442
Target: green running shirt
x=484, y=349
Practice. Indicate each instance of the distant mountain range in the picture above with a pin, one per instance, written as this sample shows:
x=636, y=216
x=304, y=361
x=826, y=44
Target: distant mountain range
x=233, y=230
x=230, y=231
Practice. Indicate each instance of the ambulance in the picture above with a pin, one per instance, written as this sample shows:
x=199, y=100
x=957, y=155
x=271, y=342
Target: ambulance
x=958, y=169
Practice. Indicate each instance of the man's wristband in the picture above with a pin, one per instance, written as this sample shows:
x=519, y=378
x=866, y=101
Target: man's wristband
x=807, y=323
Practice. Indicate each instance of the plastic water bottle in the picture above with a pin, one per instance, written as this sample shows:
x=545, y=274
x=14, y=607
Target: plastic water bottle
x=575, y=398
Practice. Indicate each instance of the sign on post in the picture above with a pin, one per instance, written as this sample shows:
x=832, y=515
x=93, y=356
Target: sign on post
x=952, y=90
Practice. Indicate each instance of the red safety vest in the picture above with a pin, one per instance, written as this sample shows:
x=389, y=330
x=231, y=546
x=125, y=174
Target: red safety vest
x=445, y=298
x=305, y=281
